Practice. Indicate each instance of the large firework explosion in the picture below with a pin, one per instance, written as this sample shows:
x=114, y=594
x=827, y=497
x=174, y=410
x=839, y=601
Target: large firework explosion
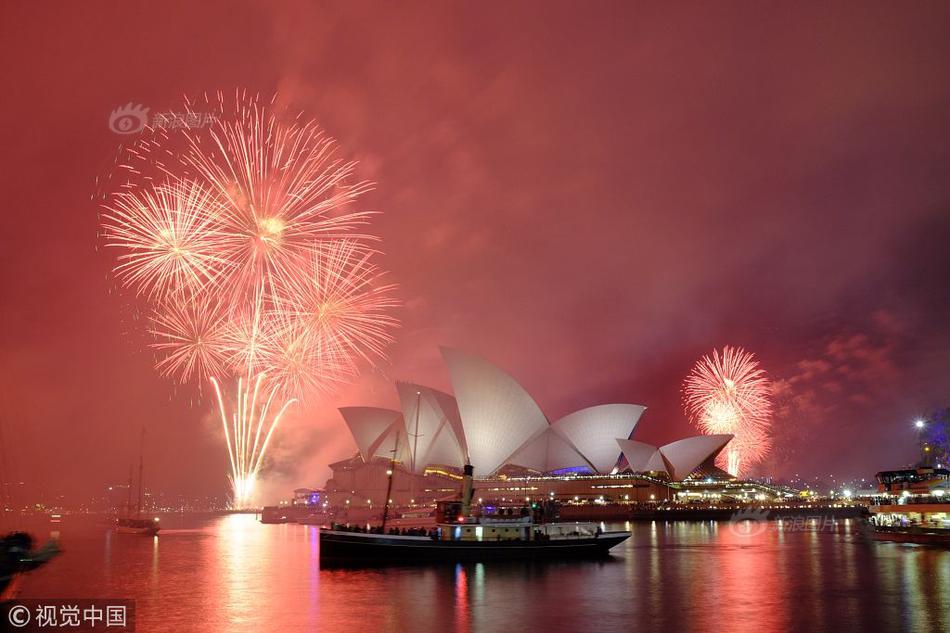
x=730, y=393
x=240, y=237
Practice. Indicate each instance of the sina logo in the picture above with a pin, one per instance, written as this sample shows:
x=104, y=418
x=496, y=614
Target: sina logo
x=749, y=521
x=128, y=119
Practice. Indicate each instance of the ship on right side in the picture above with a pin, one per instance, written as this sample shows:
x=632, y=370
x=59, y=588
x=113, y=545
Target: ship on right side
x=913, y=506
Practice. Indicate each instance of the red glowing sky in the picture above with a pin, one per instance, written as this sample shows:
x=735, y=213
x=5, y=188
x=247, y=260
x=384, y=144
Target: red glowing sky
x=592, y=197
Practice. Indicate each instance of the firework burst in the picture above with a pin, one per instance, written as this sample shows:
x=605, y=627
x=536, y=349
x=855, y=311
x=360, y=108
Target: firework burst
x=169, y=237
x=343, y=302
x=730, y=393
x=192, y=338
x=241, y=236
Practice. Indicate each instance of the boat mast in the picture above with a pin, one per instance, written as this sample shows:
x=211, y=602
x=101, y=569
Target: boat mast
x=389, y=486
x=128, y=496
x=415, y=444
x=141, y=465
x=4, y=482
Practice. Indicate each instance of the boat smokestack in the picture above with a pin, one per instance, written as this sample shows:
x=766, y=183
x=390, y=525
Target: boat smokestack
x=467, y=490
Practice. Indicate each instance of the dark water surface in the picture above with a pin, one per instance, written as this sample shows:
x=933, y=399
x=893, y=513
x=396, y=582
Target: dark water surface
x=211, y=574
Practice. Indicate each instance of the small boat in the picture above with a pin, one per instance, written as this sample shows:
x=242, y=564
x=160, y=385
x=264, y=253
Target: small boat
x=136, y=523
x=305, y=508
x=278, y=514
x=128, y=525
x=18, y=558
x=460, y=535
x=314, y=518
x=913, y=507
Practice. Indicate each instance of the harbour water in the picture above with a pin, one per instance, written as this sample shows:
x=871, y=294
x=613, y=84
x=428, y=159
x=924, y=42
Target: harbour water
x=213, y=574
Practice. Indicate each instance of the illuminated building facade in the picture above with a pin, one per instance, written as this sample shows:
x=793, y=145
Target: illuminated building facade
x=493, y=423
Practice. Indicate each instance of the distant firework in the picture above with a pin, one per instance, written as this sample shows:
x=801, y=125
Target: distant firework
x=729, y=393
x=240, y=236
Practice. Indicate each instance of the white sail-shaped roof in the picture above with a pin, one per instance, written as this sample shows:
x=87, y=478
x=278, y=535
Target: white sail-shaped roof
x=433, y=425
x=369, y=425
x=592, y=431
x=393, y=443
x=685, y=455
x=548, y=451
x=498, y=415
x=657, y=463
x=642, y=457
x=677, y=459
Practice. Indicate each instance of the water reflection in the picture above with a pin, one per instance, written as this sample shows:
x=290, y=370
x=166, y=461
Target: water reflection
x=154, y=562
x=461, y=600
x=313, y=603
x=233, y=574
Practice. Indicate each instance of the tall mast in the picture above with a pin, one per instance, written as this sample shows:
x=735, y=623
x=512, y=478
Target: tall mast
x=415, y=445
x=128, y=496
x=141, y=465
x=415, y=435
x=389, y=486
x=4, y=482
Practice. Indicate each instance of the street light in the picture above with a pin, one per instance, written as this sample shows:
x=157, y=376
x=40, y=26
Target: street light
x=920, y=424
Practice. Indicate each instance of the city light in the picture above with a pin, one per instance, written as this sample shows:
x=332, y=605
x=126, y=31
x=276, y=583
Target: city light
x=920, y=424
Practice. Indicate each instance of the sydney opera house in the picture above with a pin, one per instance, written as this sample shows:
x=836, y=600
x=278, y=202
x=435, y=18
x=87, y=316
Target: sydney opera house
x=492, y=423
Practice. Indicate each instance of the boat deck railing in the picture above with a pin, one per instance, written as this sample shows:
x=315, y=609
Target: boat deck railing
x=924, y=499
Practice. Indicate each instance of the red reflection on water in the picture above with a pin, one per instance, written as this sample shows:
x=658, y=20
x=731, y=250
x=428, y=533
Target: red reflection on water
x=749, y=591
x=245, y=563
x=461, y=600
x=313, y=537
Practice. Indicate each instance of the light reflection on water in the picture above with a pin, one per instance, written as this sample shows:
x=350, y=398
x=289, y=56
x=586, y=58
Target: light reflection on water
x=211, y=574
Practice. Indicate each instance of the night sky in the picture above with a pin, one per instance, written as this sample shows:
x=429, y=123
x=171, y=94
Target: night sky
x=592, y=196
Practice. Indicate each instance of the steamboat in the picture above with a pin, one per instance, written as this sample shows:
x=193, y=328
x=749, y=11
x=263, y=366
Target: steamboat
x=463, y=535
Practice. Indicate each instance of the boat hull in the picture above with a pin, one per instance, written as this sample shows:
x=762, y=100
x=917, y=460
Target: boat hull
x=913, y=535
x=140, y=531
x=136, y=526
x=340, y=546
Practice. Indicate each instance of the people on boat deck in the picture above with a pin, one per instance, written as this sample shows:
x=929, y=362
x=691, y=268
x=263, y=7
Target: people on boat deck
x=394, y=531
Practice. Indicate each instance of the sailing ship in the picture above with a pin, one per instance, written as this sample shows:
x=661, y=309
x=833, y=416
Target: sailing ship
x=136, y=523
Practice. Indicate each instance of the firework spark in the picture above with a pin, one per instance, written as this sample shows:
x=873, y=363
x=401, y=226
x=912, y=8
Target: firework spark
x=730, y=393
x=249, y=432
x=169, y=236
x=241, y=236
x=281, y=185
x=192, y=336
x=343, y=301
